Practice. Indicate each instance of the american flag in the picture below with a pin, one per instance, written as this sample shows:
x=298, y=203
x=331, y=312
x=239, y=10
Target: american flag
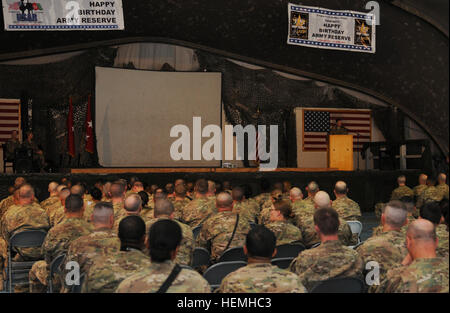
x=9, y=118
x=317, y=124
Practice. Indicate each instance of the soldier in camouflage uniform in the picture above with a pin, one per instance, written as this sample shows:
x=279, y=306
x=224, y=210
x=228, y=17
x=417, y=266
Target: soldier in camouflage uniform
x=431, y=193
x=9, y=201
x=265, y=193
x=101, y=241
x=109, y=270
x=147, y=211
x=267, y=207
x=347, y=208
x=389, y=247
x=442, y=187
x=199, y=209
x=296, y=198
x=306, y=208
x=57, y=241
x=163, y=239
x=53, y=197
x=431, y=211
x=411, y=211
x=117, y=192
x=259, y=276
x=284, y=231
x=309, y=232
x=27, y=214
x=402, y=190
x=180, y=200
x=56, y=212
x=420, y=187
x=247, y=209
x=96, y=196
x=329, y=260
x=421, y=271
x=164, y=210
x=217, y=230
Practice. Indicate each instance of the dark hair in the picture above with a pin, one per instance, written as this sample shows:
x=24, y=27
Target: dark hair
x=131, y=231
x=201, y=186
x=431, y=211
x=96, y=194
x=408, y=202
x=284, y=207
x=327, y=219
x=444, y=209
x=144, y=197
x=164, y=237
x=237, y=193
x=74, y=203
x=265, y=185
x=261, y=242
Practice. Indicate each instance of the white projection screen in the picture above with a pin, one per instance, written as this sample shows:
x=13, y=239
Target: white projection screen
x=135, y=111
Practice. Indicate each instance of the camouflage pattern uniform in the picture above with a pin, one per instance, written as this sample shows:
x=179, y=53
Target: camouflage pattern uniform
x=88, y=211
x=119, y=214
x=197, y=211
x=378, y=209
x=303, y=210
x=442, y=235
x=421, y=276
x=310, y=236
x=151, y=279
x=347, y=209
x=217, y=231
x=400, y=192
x=262, y=198
x=56, y=215
x=418, y=190
x=261, y=278
x=50, y=202
x=248, y=210
x=264, y=216
x=56, y=242
x=178, y=206
x=285, y=232
x=431, y=193
x=388, y=249
x=5, y=204
x=83, y=249
x=147, y=213
x=108, y=271
x=187, y=245
x=329, y=260
x=443, y=190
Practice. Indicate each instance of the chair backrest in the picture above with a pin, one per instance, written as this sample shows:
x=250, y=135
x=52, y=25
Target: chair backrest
x=201, y=257
x=54, y=266
x=289, y=250
x=27, y=238
x=252, y=225
x=77, y=288
x=359, y=244
x=217, y=272
x=315, y=245
x=340, y=285
x=233, y=254
x=282, y=262
x=196, y=231
x=355, y=226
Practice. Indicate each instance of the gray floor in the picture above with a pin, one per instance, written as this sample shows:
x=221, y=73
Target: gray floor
x=369, y=221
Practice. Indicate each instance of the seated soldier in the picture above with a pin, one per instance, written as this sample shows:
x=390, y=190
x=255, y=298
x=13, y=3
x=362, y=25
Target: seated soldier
x=38, y=155
x=420, y=187
x=164, y=238
x=259, y=276
x=132, y=206
x=347, y=208
x=11, y=145
x=96, y=195
x=57, y=241
x=279, y=223
x=180, y=200
x=264, y=216
x=146, y=212
x=329, y=260
x=248, y=210
x=109, y=270
x=199, y=209
x=421, y=271
x=224, y=229
x=402, y=190
x=442, y=187
x=431, y=211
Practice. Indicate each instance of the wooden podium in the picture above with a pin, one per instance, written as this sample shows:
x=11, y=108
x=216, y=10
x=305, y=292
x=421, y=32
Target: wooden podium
x=340, y=152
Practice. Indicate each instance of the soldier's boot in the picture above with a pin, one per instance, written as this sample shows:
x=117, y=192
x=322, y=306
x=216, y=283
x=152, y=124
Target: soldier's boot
x=38, y=277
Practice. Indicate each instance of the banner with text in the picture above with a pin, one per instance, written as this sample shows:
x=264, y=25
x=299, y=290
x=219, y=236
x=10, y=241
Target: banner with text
x=21, y=15
x=331, y=29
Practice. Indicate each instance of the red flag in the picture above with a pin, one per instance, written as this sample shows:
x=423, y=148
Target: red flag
x=70, y=131
x=89, y=129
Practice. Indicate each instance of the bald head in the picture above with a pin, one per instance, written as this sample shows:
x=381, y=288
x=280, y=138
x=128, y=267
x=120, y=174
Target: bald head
x=322, y=200
x=19, y=182
x=423, y=179
x=313, y=188
x=26, y=192
x=442, y=178
x=103, y=214
x=133, y=203
x=77, y=190
x=53, y=187
x=421, y=230
x=340, y=188
x=163, y=207
x=224, y=201
x=395, y=214
x=295, y=193
x=63, y=194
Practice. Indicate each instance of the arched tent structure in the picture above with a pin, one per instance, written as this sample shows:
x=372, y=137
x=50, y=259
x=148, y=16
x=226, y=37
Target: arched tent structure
x=409, y=71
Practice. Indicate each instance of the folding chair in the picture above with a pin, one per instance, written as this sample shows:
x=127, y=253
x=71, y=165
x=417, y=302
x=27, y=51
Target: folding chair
x=196, y=231
x=233, y=254
x=77, y=288
x=200, y=258
x=217, y=272
x=340, y=285
x=54, y=269
x=356, y=228
x=315, y=245
x=17, y=272
x=282, y=262
x=252, y=225
x=289, y=250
